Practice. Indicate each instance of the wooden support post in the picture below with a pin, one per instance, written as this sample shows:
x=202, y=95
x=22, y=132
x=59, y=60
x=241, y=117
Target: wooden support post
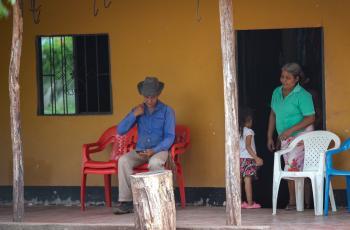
x=233, y=187
x=154, y=202
x=16, y=49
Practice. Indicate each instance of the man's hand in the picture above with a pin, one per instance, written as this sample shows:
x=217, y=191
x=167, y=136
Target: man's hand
x=139, y=110
x=147, y=153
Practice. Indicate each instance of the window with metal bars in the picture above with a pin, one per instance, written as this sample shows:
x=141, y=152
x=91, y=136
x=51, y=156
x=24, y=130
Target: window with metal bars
x=74, y=75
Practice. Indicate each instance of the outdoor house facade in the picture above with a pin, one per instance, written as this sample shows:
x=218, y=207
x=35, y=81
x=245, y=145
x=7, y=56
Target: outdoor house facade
x=177, y=41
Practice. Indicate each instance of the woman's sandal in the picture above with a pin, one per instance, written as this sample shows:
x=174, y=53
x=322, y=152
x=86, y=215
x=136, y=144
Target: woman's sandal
x=290, y=207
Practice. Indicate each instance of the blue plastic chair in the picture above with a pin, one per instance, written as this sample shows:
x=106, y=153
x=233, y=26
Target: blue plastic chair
x=330, y=172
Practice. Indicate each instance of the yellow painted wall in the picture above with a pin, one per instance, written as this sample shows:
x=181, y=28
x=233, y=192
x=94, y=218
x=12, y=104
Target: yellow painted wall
x=162, y=38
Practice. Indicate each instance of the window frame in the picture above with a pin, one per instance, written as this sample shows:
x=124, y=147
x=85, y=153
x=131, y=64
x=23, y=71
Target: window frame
x=39, y=73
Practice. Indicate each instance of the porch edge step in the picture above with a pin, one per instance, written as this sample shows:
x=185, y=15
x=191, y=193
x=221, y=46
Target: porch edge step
x=79, y=226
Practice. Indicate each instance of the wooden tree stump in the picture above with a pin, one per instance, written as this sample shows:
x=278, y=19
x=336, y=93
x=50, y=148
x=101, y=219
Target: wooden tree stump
x=154, y=203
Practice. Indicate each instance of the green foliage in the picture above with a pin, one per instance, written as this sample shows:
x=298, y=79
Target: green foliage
x=57, y=75
x=3, y=9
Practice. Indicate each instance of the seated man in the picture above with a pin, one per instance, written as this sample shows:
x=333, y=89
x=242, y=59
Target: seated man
x=156, y=133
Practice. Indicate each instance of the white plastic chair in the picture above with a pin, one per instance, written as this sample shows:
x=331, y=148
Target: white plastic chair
x=316, y=143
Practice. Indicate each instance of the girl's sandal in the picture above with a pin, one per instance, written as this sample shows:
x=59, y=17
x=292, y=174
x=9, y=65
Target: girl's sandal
x=253, y=206
x=244, y=205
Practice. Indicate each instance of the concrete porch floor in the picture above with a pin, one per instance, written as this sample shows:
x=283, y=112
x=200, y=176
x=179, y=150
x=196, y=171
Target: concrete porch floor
x=71, y=218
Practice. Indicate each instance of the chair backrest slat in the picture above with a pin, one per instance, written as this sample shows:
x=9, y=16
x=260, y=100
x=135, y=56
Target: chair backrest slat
x=315, y=143
x=121, y=143
x=182, y=135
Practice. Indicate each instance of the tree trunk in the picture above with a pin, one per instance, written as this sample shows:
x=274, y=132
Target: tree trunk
x=16, y=49
x=233, y=188
x=154, y=202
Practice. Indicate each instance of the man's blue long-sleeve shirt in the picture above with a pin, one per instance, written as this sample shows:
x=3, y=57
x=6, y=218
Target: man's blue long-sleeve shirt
x=156, y=130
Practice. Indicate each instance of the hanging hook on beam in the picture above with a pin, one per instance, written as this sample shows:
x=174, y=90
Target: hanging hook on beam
x=107, y=3
x=95, y=9
x=199, y=17
x=35, y=11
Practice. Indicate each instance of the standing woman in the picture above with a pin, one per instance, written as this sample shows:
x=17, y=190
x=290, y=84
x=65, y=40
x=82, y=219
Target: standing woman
x=292, y=112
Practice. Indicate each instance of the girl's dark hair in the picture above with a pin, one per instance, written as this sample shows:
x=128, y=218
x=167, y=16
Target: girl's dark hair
x=243, y=115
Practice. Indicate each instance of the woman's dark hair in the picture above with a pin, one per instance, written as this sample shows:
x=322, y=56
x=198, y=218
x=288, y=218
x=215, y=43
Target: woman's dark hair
x=243, y=115
x=295, y=70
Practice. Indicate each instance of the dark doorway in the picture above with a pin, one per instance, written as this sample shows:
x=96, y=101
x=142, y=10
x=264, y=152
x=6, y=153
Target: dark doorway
x=261, y=54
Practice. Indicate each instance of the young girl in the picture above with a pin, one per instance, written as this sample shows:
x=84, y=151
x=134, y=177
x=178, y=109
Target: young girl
x=249, y=159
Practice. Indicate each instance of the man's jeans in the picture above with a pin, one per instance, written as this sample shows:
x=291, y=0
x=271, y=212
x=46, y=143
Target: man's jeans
x=128, y=161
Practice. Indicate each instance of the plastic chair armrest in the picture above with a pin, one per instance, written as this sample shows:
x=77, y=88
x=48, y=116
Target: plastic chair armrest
x=89, y=149
x=92, y=147
x=277, y=159
x=334, y=151
x=329, y=156
x=283, y=151
x=177, y=148
x=95, y=148
x=277, y=162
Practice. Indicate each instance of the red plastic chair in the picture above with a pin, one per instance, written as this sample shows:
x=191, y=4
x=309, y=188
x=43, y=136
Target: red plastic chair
x=181, y=143
x=120, y=145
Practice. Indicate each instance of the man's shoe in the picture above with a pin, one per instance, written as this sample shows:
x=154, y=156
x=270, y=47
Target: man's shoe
x=124, y=208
